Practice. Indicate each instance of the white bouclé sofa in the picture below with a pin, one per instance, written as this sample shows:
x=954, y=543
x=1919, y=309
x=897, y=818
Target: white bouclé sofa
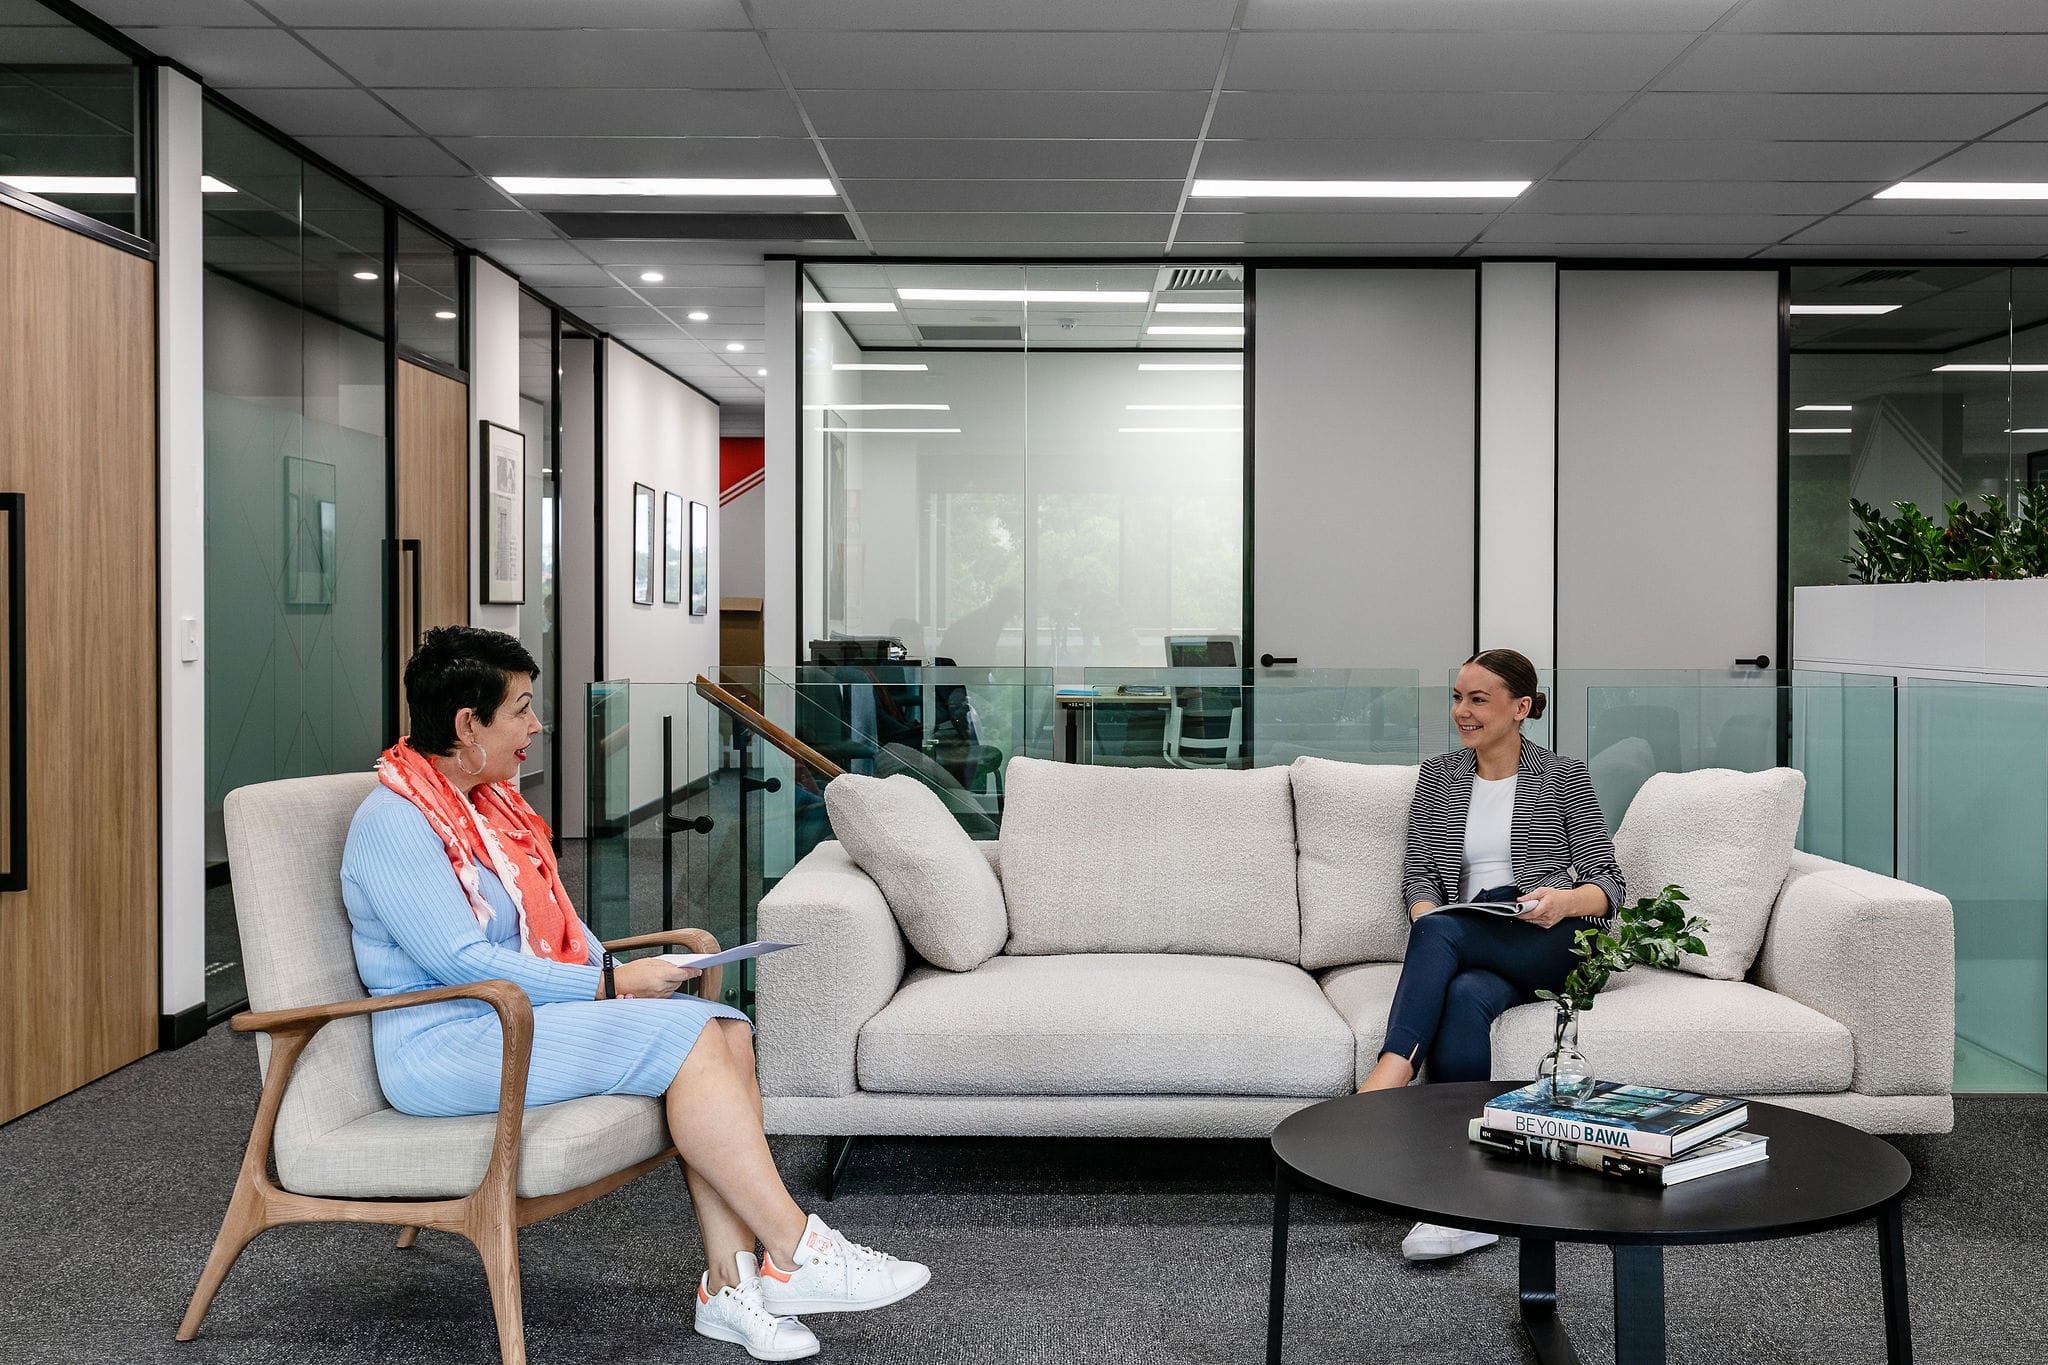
x=1201, y=953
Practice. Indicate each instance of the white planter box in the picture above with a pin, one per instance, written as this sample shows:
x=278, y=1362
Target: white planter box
x=1989, y=630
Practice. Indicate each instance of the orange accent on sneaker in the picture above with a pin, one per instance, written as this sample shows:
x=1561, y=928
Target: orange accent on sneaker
x=702, y=1297
x=768, y=1268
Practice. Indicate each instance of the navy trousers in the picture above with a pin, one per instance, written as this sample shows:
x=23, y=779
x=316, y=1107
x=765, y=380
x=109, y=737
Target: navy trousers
x=1463, y=971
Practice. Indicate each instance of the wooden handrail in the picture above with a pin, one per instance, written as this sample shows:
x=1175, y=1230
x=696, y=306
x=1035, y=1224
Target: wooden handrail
x=767, y=729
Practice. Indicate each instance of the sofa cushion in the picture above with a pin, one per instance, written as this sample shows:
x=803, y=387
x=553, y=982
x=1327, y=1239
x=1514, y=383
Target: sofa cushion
x=1668, y=1028
x=1351, y=829
x=1726, y=838
x=1109, y=1024
x=1165, y=860
x=1361, y=995
x=943, y=892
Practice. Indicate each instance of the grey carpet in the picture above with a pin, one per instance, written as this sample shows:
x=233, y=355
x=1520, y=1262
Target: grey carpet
x=1042, y=1251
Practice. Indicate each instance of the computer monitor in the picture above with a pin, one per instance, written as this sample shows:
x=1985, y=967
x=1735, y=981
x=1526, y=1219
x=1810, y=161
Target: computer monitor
x=1201, y=651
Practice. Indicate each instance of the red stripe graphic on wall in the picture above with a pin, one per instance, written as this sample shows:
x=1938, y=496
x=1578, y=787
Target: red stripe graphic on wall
x=741, y=460
x=742, y=488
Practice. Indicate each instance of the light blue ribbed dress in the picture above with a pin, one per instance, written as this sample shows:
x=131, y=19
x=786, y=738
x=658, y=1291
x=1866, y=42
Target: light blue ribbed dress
x=413, y=930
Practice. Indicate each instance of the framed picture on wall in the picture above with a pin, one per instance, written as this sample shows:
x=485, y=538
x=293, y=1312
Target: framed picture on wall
x=671, y=547
x=503, y=570
x=700, y=559
x=643, y=545
x=310, y=535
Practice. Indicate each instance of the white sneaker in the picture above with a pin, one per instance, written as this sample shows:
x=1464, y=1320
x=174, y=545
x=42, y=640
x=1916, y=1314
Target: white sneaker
x=1429, y=1242
x=737, y=1315
x=833, y=1275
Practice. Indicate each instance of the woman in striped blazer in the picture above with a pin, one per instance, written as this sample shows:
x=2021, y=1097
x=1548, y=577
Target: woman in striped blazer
x=1497, y=819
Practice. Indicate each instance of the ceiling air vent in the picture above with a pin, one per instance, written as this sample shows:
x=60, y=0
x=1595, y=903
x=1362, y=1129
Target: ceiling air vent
x=705, y=227
x=1204, y=277
x=983, y=334
x=1875, y=277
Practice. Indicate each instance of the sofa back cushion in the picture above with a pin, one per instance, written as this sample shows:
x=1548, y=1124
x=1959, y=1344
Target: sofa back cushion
x=942, y=891
x=1726, y=838
x=1149, y=860
x=1351, y=827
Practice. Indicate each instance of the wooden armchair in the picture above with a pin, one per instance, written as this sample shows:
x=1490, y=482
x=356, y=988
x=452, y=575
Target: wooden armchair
x=343, y=1155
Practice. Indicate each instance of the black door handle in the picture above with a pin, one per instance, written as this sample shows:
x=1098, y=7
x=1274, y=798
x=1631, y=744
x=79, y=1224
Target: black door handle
x=1268, y=660
x=1760, y=661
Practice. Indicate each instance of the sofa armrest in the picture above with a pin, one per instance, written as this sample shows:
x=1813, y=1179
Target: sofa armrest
x=1876, y=955
x=810, y=1003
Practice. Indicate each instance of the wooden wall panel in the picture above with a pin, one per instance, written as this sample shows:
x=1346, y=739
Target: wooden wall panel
x=433, y=504
x=78, y=977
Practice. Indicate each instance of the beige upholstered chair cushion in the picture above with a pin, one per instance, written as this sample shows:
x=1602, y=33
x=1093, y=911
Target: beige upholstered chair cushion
x=1351, y=828
x=1161, y=860
x=944, y=894
x=1110, y=1024
x=1726, y=837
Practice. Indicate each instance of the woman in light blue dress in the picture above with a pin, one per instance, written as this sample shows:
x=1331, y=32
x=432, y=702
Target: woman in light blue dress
x=449, y=878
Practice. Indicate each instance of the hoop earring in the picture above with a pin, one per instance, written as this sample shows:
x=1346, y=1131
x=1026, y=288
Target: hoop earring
x=482, y=761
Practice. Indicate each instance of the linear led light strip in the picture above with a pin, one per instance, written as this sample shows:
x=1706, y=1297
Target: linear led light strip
x=1178, y=330
x=849, y=307
x=1358, y=189
x=895, y=431
x=1966, y=189
x=1179, y=431
x=1824, y=407
x=1198, y=308
x=1025, y=295
x=856, y=365
x=1990, y=369
x=1819, y=431
x=98, y=184
x=659, y=187
x=878, y=407
x=1844, y=310
x=1183, y=407
x=1197, y=365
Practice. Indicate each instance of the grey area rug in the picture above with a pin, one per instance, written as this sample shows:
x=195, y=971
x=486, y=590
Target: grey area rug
x=1042, y=1251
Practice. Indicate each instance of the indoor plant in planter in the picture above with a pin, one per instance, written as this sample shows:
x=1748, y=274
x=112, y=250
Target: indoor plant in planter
x=1656, y=931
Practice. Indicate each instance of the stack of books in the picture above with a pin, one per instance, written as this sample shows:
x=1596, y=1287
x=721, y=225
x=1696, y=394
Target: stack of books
x=1630, y=1132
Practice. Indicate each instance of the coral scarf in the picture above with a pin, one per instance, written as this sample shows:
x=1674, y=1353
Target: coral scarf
x=496, y=825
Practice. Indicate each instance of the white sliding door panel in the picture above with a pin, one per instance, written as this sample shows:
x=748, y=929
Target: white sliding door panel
x=1667, y=468
x=1363, y=457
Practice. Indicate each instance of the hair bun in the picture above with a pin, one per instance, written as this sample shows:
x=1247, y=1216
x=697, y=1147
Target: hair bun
x=1537, y=701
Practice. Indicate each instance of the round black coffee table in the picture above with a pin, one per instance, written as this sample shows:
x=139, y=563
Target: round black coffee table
x=1406, y=1152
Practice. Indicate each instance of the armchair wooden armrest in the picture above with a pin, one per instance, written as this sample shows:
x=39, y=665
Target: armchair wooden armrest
x=711, y=985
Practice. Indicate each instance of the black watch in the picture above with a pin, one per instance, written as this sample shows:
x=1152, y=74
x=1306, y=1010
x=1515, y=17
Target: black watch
x=611, y=987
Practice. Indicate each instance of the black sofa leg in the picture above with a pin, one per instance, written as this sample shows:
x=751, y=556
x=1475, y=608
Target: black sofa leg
x=838, y=1153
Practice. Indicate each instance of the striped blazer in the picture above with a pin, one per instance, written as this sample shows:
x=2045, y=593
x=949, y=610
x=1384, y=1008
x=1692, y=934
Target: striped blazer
x=1558, y=835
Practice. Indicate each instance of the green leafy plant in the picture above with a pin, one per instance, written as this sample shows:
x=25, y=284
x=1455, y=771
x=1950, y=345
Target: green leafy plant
x=1655, y=931
x=1975, y=543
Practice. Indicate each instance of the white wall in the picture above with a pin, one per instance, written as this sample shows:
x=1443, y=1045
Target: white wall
x=662, y=433
x=576, y=485
x=1518, y=458
x=778, y=611
x=493, y=397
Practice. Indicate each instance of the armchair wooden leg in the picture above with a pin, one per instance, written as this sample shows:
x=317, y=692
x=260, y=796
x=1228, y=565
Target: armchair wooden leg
x=245, y=1219
x=497, y=1242
x=407, y=1236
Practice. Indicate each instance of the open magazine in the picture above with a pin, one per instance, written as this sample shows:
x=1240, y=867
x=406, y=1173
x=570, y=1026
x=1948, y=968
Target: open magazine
x=1510, y=909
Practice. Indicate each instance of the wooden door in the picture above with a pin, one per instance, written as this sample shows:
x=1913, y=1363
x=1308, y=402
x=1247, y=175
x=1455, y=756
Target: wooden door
x=433, y=508
x=78, y=977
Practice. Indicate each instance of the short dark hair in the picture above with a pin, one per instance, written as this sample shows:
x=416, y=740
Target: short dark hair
x=1513, y=668
x=458, y=666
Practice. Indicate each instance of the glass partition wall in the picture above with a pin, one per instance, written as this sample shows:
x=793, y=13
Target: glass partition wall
x=71, y=121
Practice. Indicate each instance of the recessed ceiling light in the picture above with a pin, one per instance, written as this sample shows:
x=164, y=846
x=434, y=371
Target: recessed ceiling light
x=97, y=184
x=1025, y=295
x=1176, y=365
x=1990, y=369
x=2026, y=431
x=1183, y=407
x=700, y=316
x=735, y=345
x=1357, y=189
x=1966, y=189
x=878, y=407
x=1180, y=331
x=1844, y=310
x=664, y=187
x=1179, y=431
x=884, y=307
x=1819, y=431
x=366, y=274
x=897, y=431
x=652, y=277
x=1200, y=308
x=445, y=315
x=1824, y=407
x=762, y=373
x=860, y=365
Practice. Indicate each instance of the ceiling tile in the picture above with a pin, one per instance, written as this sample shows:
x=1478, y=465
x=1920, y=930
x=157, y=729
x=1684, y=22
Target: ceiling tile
x=1851, y=62
x=1023, y=113
x=668, y=156
x=1822, y=251
x=440, y=191
x=1645, y=228
x=1135, y=229
x=303, y=113
x=1585, y=16
x=1665, y=251
x=1930, y=230
x=999, y=61
x=1027, y=159
x=1992, y=161
x=1888, y=16
x=1768, y=116
x=386, y=155
x=1360, y=229
x=1381, y=159
x=1714, y=160
x=971, y=15
x=1449, y=61
x=231, y=57
x=488, y=223
x=614, y=113
x=145, y=14
x=523, y=59
x=2033, y=128
x=1014, y=196
x=1429, y=114
x=697, y=14
x=1692, y=196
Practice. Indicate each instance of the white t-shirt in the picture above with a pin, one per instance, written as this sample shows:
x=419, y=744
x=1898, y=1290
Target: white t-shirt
x=1489, y=837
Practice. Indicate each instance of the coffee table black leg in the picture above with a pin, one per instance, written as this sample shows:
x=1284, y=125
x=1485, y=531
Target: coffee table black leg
x=1638, y=1305
x=1539, y=1304
x=1891, y=1260
x=1276, y=1294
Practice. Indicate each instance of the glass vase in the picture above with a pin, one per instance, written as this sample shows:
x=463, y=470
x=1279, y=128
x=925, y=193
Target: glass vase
x=1564, y=1066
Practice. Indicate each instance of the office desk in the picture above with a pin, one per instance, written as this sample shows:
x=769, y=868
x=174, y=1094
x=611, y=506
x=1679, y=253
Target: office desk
x=1079, y=710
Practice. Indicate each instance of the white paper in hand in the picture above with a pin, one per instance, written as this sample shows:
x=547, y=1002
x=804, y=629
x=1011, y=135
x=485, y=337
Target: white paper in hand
x=719, y=959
